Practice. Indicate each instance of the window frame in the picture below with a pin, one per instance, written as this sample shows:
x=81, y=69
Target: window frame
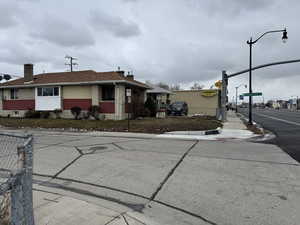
x=14, y=93
x=42, y=91
x=105, y=95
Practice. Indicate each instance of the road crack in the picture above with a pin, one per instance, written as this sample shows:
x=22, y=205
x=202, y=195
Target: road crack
x=172, y=172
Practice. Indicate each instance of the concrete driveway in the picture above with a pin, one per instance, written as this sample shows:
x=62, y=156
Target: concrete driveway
x=171, y=181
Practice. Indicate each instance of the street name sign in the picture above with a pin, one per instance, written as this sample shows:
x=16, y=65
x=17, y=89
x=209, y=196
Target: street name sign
x=253, y=94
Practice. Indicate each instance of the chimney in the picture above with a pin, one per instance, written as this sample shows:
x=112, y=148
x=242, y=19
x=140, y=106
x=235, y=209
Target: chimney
x=130, y=76
x=28, y=72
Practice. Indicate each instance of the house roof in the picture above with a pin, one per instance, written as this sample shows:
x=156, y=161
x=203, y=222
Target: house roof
x=73, y=78
x=158, y=90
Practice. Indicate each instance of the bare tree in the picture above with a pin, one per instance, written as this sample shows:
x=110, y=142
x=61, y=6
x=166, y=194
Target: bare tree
x=197, y=86
x=175, y=87
x=163, y=85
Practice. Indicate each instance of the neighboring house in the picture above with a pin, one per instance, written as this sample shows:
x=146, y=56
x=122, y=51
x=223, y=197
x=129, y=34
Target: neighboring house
x=275, y=105
x=204, y=101
x=51, y=91
x=160, y=95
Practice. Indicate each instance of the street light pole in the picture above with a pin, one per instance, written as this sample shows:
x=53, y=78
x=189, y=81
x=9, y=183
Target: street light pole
x=250, y=81
x=236, y=90
x=250, y=43
x=236, y=96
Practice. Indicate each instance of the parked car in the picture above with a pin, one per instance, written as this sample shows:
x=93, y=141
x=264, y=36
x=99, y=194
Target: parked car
x=177, y=108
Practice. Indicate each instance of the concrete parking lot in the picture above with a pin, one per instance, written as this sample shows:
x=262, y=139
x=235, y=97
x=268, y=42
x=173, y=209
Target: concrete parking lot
x=168, y=181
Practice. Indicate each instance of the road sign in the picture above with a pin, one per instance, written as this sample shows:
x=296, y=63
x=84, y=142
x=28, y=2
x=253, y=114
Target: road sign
x=128, y=92
x=241, y=97
x=253, y=94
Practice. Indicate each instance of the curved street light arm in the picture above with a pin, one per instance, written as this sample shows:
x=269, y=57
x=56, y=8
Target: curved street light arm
x=241, y=85
x=272, y=31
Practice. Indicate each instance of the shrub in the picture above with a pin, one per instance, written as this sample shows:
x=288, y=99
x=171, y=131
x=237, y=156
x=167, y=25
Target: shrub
x=139, y=110
x=57, y=113
x=146, y=113
x=44, y=114
x=76, y=110
x=151, y=106
x=94, y=111
x=85, y=115
x=32, y=114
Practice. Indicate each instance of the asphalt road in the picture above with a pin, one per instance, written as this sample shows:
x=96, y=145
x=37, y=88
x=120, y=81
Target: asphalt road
x=284, y=124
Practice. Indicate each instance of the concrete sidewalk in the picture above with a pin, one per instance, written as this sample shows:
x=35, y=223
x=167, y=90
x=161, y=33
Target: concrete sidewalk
x=233, y=122
x=97, y=180
x=52, y=208
x=233, y=128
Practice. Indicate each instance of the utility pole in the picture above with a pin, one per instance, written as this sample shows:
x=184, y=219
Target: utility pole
x=224, y=96
x=236, y=99
x=71, y=64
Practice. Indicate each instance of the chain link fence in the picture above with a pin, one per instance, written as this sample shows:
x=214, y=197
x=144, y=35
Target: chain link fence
x=16, y=163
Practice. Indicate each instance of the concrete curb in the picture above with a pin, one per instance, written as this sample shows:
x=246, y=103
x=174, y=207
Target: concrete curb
x=127, y=134
x=265, y=136
x=200, y=133
x=216, y=131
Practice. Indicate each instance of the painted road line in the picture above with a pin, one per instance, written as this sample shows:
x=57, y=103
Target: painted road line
x=278, y=119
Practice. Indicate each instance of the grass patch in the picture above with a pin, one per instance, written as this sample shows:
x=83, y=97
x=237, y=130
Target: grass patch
x=147, y=125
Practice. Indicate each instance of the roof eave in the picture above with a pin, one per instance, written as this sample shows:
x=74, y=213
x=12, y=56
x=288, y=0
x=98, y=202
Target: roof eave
x=73, y=83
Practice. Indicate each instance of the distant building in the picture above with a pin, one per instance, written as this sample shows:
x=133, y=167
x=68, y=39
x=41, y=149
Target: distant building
x=160, y=95
x=204, y=101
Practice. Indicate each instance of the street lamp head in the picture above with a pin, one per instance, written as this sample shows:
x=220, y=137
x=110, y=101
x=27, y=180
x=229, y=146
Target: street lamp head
x=284, y=36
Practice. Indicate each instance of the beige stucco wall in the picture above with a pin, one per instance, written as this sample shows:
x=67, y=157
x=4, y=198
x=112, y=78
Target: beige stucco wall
x=197, y=103
x=77, y=92
x=120, y=102
x=23, y=93
x=95, y=94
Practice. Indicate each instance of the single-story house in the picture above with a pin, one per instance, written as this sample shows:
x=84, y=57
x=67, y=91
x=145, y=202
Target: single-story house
x=64, y=90
x=204, y=101
x=160, y=95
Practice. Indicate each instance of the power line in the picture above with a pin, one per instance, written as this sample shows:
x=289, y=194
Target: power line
x=71, y=63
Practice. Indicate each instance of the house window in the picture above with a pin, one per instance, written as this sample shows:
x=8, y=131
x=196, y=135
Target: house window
x=108, y=93
x=14, y=93
x=48, y=91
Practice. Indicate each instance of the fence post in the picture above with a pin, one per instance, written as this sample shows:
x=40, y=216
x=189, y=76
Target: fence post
x=17, y=204
x=27, y=184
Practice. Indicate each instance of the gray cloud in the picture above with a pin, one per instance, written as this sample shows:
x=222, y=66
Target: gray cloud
x=129, y=0
x=18, y=54
x=63, y=33
x=8, y=14
x=115, y=25
x=233, y=8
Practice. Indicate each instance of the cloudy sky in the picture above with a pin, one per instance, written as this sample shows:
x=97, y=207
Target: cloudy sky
x=172, y=41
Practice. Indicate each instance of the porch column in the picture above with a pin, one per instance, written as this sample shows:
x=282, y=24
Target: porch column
x=119, y=102
x=95, y=95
